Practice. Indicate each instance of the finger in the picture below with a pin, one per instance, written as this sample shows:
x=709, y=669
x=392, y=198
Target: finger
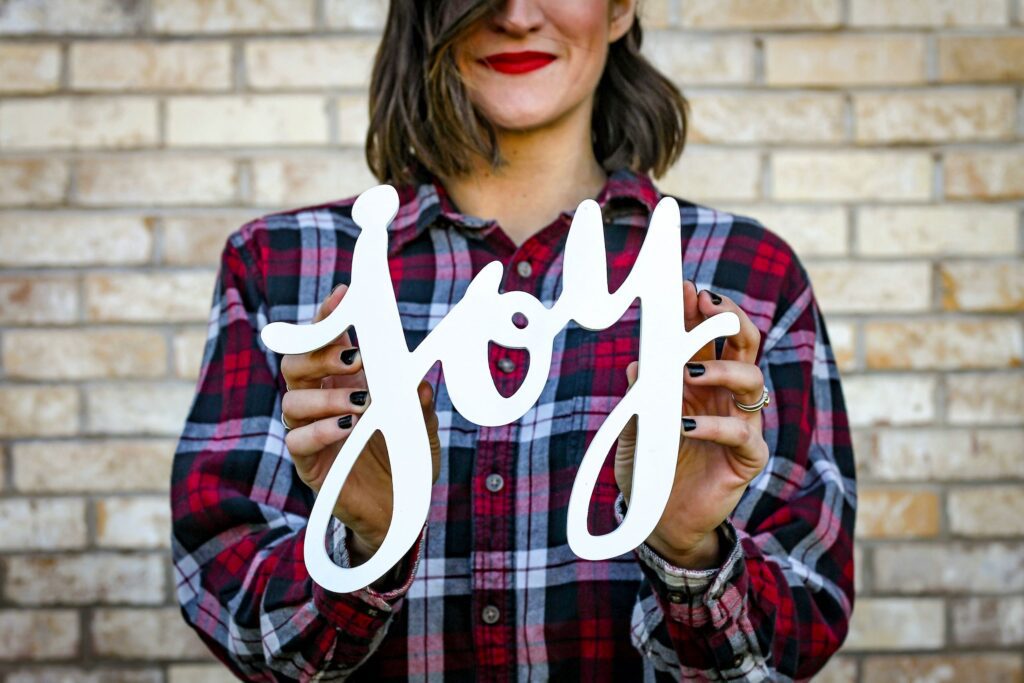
x=331, y=302
x=693, y=317
x=742, y=345
x=307, y=370
x=303, y=406
x=744, y=380
x=742, y=438
x=426, y=396
x=316, y=436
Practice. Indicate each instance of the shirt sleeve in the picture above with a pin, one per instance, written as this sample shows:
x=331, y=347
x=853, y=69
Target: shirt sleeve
x=779, y=605
x=240, y=512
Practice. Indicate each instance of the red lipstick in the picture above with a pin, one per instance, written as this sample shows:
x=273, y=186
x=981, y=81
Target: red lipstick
x=518, y=62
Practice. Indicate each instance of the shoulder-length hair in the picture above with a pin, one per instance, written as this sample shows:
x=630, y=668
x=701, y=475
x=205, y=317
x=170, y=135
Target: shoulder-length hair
x=421, y=116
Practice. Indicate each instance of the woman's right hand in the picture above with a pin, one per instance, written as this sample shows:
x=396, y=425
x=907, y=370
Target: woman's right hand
x=326, y=394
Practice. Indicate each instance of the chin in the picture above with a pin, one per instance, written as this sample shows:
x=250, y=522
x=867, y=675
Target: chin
x=513, y=115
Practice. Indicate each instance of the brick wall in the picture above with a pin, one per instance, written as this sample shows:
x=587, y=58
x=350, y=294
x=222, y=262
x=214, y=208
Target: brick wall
x=882, y=139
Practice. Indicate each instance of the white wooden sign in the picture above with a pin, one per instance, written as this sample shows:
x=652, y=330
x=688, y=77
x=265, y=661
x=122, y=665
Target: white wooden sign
x=460, y=342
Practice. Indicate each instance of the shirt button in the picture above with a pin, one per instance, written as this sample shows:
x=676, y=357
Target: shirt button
x=506, y=365
x=490, y=614
x=494, y=483
x=737, y=661
x=524, y=269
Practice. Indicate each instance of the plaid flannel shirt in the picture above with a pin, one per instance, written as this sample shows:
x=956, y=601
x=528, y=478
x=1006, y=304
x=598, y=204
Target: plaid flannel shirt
x=491, y=590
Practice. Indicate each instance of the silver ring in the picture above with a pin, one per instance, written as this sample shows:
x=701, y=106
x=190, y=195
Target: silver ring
x=754, y=407
x=287, y=428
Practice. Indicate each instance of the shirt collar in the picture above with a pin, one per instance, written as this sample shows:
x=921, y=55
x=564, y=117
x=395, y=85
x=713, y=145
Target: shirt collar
x=626, y=198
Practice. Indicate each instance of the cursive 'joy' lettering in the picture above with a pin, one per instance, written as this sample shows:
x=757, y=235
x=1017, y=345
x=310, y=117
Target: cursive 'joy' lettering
x=460, y=342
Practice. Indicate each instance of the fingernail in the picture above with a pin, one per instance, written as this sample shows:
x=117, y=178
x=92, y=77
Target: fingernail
x=345, y=421
x=348, y=356
x=715, y=299
x=358, y=398
x=336, y=288
x=696, y=369
x=689, y=424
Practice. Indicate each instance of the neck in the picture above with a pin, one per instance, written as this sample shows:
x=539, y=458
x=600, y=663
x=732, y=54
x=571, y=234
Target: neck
x=548, y=171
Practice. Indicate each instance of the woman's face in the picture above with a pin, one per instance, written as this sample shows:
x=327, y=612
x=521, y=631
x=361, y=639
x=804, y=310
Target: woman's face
x=534, y=62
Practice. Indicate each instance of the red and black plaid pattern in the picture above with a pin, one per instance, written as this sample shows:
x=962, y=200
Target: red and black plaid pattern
x=491, y=590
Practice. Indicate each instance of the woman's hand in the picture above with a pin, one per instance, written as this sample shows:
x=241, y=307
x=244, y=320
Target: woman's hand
x=721, y=454
x=326, y=394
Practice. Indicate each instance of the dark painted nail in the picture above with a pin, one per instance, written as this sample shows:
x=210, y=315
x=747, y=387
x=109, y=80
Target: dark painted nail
x=715, y=299
x=689, y=424
x=696, y=369
x=345, y=421
x=348, y=356
x=358, y=398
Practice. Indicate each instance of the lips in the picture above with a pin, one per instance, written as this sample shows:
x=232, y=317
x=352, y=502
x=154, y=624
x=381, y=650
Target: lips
x=518, y=62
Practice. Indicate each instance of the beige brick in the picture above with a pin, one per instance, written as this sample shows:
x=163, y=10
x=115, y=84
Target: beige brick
x=865, y=286
x=889, y=399
x=42, y=524
x=984, y=175
x=85, y=123
x=809, y=230
x=989, y=621
x=949, y=568
x=653, y=13
x=981, y=58
x=310, y=180
x=227, y=16
x=990, y=511
x=936, y=116
x=896, y=624
x=138, y=65
x=699, y=60
x=188, y=353
x=838, y=60
x=985, y=668
x=769, y=118
x=949, y=344
x=38, y=300
x=199, y=673
x=29, y=67
x=163, y=180
x=937, y=13
x=145, y=634
x=851, y=176
x=138, y=408
x=944, y=454
x=70, y=16
x=897, y=513
x=247, y=120
x=198, y=240
x=38, y=634
x=839, y=669
x=360, y=14
x=353, y=120
x=121, y=465
x=84, y=354
x=64, y=674
x=985, y=398
x=84, y=579
x=310, y=62
x=760, y=14
x=73, y=239
x=32, y=182
x=704, y=175
x=842, y=339
x=982, y=285
x=932, y=230
x=167, y=296
x=136, y=522
x=27, y=410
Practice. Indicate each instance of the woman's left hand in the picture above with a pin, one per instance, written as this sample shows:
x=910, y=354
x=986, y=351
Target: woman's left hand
x=720, y=455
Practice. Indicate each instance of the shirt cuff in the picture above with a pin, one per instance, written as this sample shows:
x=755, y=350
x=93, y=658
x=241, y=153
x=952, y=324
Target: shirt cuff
x=372, y=607
x=695, y=596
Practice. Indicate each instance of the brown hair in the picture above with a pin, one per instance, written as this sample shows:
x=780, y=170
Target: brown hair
x=421, y=116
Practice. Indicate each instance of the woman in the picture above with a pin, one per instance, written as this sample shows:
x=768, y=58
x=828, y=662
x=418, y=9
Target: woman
x=494, y=120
